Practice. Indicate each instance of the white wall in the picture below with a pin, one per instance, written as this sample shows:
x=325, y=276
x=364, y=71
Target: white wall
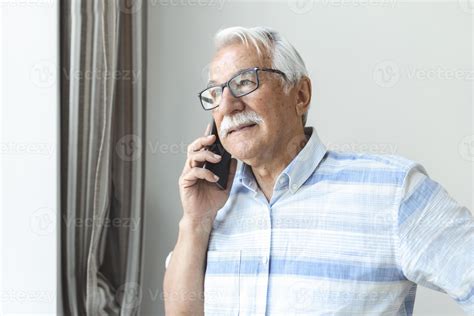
x=29, y=157
x=416, y=110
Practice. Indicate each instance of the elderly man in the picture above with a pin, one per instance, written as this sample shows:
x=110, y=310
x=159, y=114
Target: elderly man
x=301, y=229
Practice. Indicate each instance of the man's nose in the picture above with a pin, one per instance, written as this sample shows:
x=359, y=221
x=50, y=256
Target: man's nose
x=229, y=103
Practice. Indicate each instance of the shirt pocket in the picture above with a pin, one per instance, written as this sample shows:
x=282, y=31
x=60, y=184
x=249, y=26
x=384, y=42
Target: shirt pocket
x=222, y=282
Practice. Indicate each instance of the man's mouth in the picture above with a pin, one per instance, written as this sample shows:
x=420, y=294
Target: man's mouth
x=242, y=128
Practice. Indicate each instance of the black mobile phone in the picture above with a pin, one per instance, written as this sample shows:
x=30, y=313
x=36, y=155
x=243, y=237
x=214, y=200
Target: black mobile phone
x=221, y=168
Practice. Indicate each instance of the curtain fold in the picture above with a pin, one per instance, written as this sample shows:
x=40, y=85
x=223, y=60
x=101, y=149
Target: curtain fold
x=103, y=60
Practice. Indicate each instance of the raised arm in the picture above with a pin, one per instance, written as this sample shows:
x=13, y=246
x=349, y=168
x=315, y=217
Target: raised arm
x=183, y=283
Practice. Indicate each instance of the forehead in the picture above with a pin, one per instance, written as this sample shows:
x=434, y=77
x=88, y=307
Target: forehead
x=233, y=58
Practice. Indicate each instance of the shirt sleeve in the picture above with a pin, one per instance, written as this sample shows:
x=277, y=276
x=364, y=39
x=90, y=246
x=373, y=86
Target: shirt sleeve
x=167, y=260
x=436, y=239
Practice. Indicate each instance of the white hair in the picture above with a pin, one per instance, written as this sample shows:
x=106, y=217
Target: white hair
x=283, y=55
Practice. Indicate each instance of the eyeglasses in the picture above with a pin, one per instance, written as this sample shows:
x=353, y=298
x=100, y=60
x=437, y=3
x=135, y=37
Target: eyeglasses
x=243, y=83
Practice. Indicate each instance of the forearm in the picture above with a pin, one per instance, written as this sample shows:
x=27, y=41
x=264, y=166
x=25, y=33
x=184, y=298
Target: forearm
x=183, y=283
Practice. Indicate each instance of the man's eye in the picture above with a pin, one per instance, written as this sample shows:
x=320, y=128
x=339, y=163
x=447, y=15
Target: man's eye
x=246, y=82
x=214, y=93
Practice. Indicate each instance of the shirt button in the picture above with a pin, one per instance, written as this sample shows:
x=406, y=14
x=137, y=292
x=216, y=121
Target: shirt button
x=265, y=259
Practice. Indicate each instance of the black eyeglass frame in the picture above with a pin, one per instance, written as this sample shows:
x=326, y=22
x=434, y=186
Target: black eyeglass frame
x=226, y=84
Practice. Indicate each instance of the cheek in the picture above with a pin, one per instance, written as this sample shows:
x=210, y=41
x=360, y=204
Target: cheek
x=274, y=109
x=216, y=116
x=269, y=105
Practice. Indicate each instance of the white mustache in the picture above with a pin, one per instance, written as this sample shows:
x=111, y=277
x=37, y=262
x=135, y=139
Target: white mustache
x=241, y=118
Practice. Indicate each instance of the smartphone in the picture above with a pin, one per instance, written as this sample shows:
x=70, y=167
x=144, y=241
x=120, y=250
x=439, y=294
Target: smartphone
x=221, y=168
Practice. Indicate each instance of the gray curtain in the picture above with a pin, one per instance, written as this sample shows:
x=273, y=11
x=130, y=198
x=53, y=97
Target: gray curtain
x=102, y=166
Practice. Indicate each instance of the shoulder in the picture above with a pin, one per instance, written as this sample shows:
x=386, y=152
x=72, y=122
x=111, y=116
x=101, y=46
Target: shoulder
x=356, y=166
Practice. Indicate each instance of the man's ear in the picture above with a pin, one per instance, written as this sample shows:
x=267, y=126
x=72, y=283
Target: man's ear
x=303, y=95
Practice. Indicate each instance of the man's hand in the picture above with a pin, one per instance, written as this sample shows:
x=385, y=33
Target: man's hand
x=200, y=196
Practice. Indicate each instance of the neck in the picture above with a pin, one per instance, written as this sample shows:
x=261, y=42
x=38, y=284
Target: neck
x=267, y=171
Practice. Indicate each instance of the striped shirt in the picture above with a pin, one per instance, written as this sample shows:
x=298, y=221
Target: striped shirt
x=343, y=234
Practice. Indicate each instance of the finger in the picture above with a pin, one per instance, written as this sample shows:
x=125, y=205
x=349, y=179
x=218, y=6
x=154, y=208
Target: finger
x=194, y=174
x=200, y=143
x=197, y=159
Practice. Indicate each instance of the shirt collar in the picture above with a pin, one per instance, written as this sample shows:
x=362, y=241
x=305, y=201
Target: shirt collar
x=297, y=171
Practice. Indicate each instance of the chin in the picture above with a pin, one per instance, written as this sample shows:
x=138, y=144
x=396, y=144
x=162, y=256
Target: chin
x=241, y=150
